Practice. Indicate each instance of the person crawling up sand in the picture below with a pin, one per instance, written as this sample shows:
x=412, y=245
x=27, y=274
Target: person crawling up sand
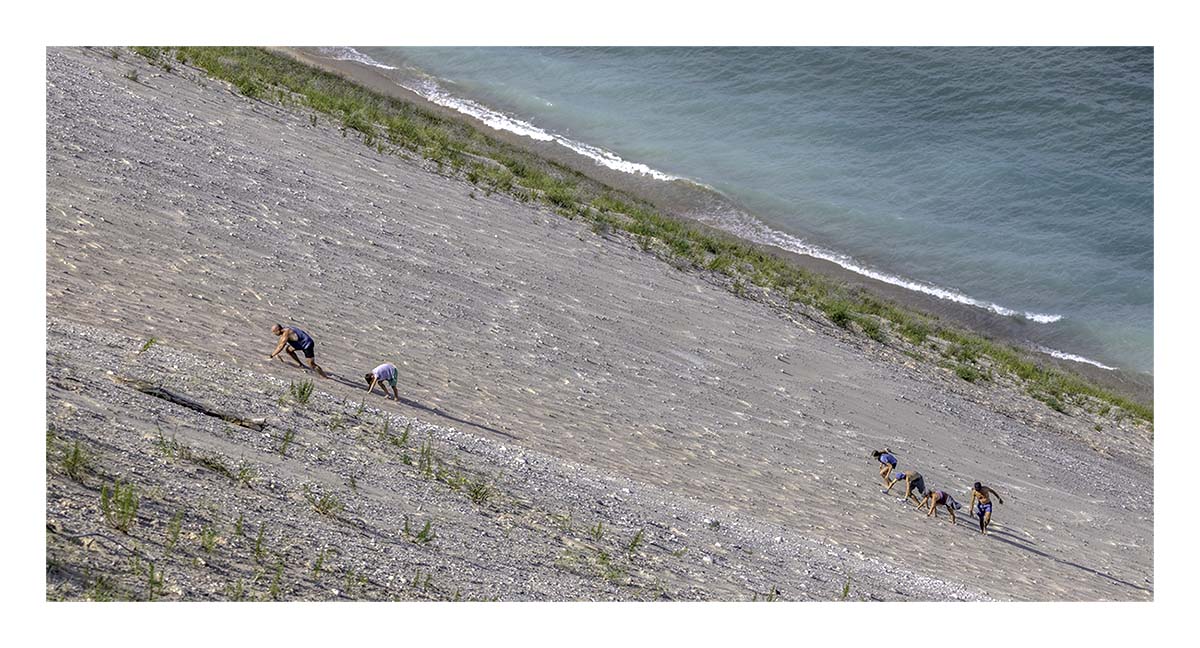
x=293, y=339
x=887, y=463
x=384, y=375
x=940, y=498
x=913, y=483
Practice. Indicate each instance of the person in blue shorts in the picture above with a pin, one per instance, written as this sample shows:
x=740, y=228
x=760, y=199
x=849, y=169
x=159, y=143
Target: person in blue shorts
x=887, y=461
x=984, y=495
x=385, y=374
x=913, y=483
x=940, y=498
x=292, y=339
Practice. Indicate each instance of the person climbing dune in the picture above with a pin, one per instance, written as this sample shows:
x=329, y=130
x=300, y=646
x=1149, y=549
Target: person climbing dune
x=384, y=375
x=913, y=483
x=940, y=498
x=887, y=461
x=292, y=339
x=983, y=495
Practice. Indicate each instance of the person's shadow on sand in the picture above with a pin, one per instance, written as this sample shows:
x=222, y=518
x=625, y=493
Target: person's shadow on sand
x=432, y=410
x=1000, y=535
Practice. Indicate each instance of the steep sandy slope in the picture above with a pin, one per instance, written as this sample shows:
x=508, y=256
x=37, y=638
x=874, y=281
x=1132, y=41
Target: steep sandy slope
x=180, y=210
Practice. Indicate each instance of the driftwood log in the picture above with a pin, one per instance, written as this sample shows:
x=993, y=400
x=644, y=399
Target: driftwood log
x=158, y=391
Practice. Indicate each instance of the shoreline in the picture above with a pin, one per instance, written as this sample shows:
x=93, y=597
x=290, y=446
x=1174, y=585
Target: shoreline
x=684, y=199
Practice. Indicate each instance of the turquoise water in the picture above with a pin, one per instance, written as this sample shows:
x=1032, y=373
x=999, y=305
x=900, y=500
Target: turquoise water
x=1018, y=180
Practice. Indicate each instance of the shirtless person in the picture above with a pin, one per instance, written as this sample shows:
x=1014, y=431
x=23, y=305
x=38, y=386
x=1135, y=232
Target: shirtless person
x=913, y=482
x=384, y=375
x=984, y=495
x=940, y=498
x=293, y=339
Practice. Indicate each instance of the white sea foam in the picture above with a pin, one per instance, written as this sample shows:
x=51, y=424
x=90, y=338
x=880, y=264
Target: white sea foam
x=493, y=119
x=499, y=121
x=1062, y=355
x=613, y=161
x=351, y=54
x=763, y=234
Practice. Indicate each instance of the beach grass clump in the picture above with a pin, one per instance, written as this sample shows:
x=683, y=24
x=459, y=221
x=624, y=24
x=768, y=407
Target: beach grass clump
x=323, y=503
x=301, y=392
x=608, y=568
x=208, y=538
x=870, y=327
x=966, y=351
x=426, y=460
x=288, y=438
x=319, y=563
x=154, y=583
x=402, y=131
x=402, y=442
x=276, y=586
x=119, y=505
x=722, y=263
x=384, y=434
x=914, y=330
x=236, y=591
x=213, y=463
x=75, y=462
x=151, y=53
x=968, y=373
x=260, y=549
x=250, y=85
x=1052, y=401
x=478, y=492
x=837, y=310
x=681, y=247
x=559, y=195
x=173, y=529
x=245, y=474
x=102, y=588
x=769, y=597
x=424, y=536
x=359, y=120
x=526, y=176
x=635, y=542
x=170, y=448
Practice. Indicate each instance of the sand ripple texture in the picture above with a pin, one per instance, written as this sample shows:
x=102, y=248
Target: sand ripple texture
x=583, y=381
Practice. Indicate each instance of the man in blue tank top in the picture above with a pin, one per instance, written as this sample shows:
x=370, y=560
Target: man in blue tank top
x=292, y=340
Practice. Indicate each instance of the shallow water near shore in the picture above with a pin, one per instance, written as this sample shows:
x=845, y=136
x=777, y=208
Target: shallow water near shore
x=1015, y=180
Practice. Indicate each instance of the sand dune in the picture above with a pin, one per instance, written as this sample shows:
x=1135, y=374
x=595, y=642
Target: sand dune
x=179, y=210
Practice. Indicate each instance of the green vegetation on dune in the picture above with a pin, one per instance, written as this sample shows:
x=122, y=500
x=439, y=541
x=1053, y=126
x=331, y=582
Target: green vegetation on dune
x=395, y=126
